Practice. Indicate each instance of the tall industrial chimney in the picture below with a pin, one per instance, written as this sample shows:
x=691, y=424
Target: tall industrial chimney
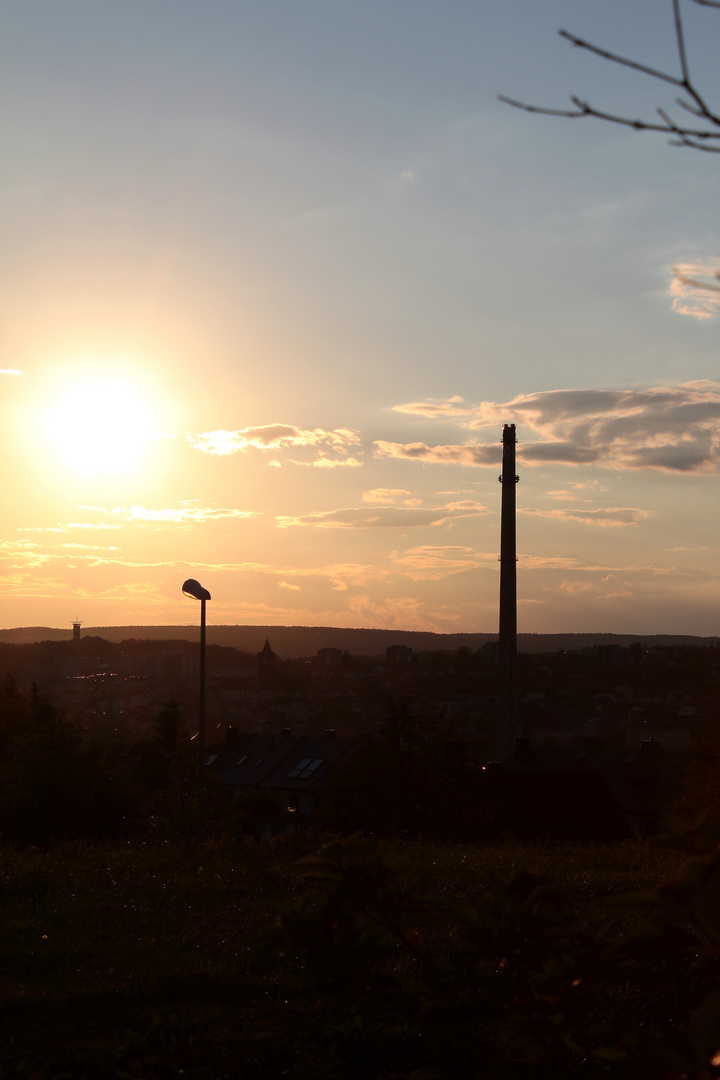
x=508, y=728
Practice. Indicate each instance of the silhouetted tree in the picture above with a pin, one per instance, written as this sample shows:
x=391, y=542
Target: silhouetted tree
x=166, y=766
x=704, y=135
x=54, y=783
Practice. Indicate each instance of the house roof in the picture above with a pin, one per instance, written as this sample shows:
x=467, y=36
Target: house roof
x=290, y=762
x=307, y=763
x=256, y=759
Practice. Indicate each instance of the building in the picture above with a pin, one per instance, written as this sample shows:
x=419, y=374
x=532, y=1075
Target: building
x=286, y=766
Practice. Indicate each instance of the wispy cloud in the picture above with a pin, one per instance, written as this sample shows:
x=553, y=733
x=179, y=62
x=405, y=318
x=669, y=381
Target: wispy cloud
x=273, y=437
x=390, y=497
x=326, y=463
x=671, y=428
x=288, y=585
x=13, y=546
x=695, y=289
x=384, y=517
x=431, y=562
x=436, y=407
x=467, y=454
x=181, y=515
x=607, y=516
x=89, y=547
x=185, y=514
x=10, y=371
x=71, y=525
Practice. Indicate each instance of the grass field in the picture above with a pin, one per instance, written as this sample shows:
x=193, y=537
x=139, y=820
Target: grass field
x=149, y=960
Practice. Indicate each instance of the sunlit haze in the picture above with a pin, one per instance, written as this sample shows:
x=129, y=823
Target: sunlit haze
x=274, y=276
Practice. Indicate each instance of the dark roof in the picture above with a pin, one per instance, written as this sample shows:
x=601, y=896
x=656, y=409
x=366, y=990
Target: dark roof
x=266, y=761
x=307, y=763
x=219, y=755
x=257, y=759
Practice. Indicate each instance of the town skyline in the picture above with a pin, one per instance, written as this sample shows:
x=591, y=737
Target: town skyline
x=274, y=283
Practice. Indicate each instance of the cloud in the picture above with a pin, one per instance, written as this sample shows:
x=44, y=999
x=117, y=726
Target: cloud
x=185, y=514
x=181, y=515
x=469, y=454
x=437, y=561
x=288, y=585
x=563, y=495
x=390, y=497
x=71, y=525
x=327, y=463
x=10, y=371
x=695, y=289
x=90, y=547
x=607, y=516
x=401, y=612
x=435, y=407
x=670, y=428
x=383, y=517
x=273, y=437
x=559, y=453
x=575, y=492
x=13, y=546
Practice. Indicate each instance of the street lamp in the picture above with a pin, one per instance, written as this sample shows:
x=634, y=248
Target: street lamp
x=193, y=588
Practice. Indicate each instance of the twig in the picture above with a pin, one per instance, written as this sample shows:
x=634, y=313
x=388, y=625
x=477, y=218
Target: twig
x=697, y=138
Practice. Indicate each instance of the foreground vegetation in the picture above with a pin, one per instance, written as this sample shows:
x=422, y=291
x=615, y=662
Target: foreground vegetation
x=387, y=959
x=128, y=951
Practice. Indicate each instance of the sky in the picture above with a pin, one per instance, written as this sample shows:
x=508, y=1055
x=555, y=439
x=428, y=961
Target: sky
x=275, y=274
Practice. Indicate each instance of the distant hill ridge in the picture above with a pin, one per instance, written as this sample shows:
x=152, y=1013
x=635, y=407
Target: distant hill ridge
x=293, y=641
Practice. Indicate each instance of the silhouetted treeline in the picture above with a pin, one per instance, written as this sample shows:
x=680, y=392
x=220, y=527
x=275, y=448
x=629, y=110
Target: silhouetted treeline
x=56, y=784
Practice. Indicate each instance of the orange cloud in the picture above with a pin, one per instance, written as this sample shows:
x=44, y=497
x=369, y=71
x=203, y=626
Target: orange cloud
x=432, y=562
x=328, y=463
x=392, y=517
x=386, y=496
x=435, y=407
x=273, y=437
x=181, y=515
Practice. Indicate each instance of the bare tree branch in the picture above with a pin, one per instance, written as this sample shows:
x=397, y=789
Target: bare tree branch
x=696, y=138
x=681, y=42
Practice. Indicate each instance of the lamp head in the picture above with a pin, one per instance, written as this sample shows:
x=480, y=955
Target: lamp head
x=193, y=588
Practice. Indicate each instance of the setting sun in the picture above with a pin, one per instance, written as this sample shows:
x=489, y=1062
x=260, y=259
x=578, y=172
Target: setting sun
x=101, y=426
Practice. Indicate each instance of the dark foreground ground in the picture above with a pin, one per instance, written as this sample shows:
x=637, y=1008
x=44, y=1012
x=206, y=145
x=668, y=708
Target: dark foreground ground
x=160, y=960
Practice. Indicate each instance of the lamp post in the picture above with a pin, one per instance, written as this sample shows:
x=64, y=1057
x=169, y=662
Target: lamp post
x=193, y=588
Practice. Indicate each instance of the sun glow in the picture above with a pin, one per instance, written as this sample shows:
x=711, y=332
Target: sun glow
x=100, y=427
